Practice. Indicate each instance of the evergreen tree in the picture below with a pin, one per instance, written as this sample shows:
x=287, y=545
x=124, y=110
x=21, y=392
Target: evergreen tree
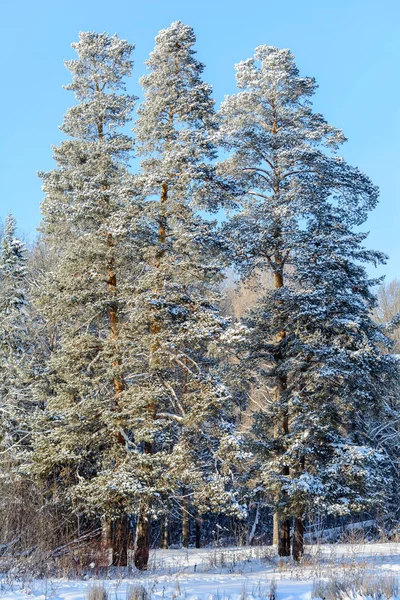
x=183, y=406
x=14, y=341
x=337, y=375
x=16, y=356
x=89, y=225
x=283, y=156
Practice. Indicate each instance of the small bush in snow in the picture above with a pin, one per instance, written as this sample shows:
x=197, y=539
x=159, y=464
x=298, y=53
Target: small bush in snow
x=97, y=592
x=137, y=592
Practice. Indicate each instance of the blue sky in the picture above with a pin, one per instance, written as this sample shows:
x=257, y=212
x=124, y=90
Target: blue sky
x=350, y=46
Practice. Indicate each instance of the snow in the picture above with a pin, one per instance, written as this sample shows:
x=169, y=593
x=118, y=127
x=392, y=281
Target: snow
x=222, y=574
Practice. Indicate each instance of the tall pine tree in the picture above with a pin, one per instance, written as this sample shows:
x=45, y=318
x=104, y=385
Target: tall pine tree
x=17, y=354
x=283, y=156
x=182, y=405
x=14, y=338
x=338, y=372
x=89, y=224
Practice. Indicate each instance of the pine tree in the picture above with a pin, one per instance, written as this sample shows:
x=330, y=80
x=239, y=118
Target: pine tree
x=89, y=225
x=283, y=156
x=337, y=373
x=14, y=342
x=16, y=357
x=182, y=405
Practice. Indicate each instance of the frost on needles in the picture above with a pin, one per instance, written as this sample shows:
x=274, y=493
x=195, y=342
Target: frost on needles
x=133, y=408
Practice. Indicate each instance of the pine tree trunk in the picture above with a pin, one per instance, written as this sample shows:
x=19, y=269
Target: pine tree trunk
x=106, y=540
x=298, y=539
x=185, y=520
x=281, y=533
x=281, y=528
x=284, y=537
x=142, y=540
x=198, y=532
x=120, y=528
x=120, y=539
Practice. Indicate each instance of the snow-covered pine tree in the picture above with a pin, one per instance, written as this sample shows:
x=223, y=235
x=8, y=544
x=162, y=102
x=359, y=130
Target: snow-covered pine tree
x=89, y=225
x=15, y=362
x=337, y=372
x=14, y=343
x=181, y=403
x=283, y=156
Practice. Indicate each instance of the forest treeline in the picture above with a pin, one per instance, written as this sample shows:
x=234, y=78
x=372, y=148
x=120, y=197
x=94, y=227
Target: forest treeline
x=168, y=378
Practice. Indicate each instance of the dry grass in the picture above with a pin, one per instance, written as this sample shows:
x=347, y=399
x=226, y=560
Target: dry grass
x=259, y=591
x=97, y=592
x=137, y=592
x=353, y=585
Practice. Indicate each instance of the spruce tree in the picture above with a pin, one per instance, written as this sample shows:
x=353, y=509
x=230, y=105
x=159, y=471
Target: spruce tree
x=89, y=225
x=283, y=157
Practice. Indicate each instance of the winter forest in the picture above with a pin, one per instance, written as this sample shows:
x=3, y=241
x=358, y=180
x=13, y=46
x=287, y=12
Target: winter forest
x=194, y=352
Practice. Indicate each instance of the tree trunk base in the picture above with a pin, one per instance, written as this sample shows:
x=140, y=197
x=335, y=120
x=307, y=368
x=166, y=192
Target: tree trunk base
x=142, y=542
x=198, y=533
x=120, y=539
x=298, y=539
x=284, y=538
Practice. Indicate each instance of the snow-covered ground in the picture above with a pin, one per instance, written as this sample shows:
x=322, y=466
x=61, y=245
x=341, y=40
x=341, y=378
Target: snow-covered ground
x=223, y=574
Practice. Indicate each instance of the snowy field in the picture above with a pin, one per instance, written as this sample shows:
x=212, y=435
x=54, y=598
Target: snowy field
x=231, y=574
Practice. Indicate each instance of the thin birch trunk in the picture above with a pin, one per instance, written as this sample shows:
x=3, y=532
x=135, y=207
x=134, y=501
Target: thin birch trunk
x=165, y=533
x=254, y=526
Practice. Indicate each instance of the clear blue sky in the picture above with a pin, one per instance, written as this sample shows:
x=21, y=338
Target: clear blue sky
x=351, y=47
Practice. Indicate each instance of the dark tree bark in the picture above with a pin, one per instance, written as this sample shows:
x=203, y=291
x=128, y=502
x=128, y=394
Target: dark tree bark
x=298, y=539
x=120, y=540
x=198, y=532
x=282, y=526
x=106, y=541
x=142, y=541
x=281, y=531
x=284, y=537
